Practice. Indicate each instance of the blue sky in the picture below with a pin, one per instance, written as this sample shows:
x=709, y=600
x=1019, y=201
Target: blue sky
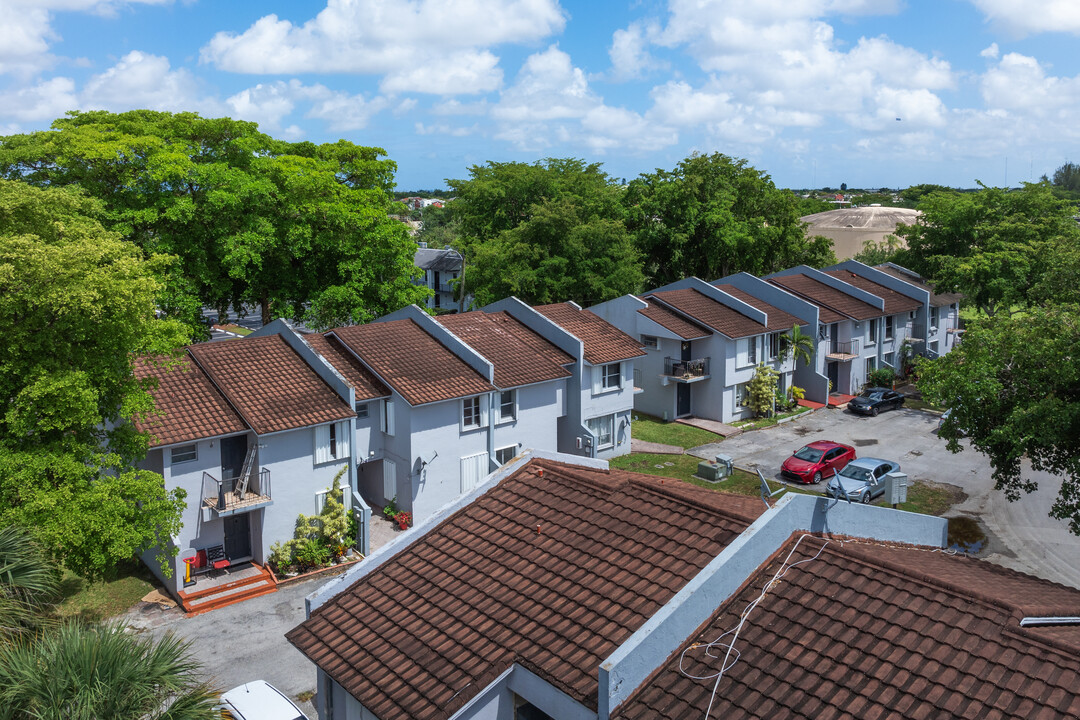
x=808, y=91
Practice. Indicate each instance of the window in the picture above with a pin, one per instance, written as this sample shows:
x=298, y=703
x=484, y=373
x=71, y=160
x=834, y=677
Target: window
x=889, y=327
x=934, y=318
x=890, y=359
x=438, y=300
x=823, y=332
x=185, y=453
x=387, y=425
x=751, y=351
x=872, y=331
x=611, y=378
x=742, y=396
x=650, y=342
x=774, y=346
x=506, y=454
x=507, y=405
x=470, y=412
x=603, y=429
x=746, y=352
x=331, y=442
x=871, y=365
x=361, y=411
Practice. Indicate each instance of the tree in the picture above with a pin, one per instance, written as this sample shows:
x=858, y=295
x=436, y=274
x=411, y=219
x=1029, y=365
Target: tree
x=76, y=304
x=1067, y=177
x=102, y=673
x=762, y=390
x=712, y=216
x=1013, y=386
x=296, y=228
x=546, y=232
x=28, y=582
x=796, y=342
x=915, y=194
x=876, y=253
x=995, y=246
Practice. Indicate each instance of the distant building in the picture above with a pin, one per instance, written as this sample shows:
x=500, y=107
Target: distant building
x=849, y=228
x=441, y=267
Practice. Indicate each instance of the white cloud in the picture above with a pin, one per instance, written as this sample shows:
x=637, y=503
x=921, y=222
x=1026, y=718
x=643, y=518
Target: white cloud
x=990, y=52
x=676, y=103
x=26, y=33
x=1020, y=85
x=431, y=46
x=269, y=104
x=444, y=129
x=629, y=52
x=551, y=102
x=45, y=101
x=1032, y=16
x=266, y=104
x=456, y=107
x=142, y=80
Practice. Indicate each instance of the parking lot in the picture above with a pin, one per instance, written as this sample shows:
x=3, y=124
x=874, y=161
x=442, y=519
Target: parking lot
x=1021, y=535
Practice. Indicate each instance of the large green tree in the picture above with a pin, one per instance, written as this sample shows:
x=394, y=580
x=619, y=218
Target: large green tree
x=298, y=229
x=1013, y=385
x=546, y=232
x=995, y=246
x=76, y=304
x=714, y=215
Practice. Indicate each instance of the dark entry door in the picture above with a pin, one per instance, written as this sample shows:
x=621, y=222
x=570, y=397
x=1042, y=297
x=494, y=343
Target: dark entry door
x=233, y=450
x=833, y=371
x=682, y=399
x=685, y=352
x=238, y=536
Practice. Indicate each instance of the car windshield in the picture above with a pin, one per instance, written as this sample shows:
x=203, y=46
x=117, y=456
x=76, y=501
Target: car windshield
x=809, y=454
x=856, y=472
x=872, y=395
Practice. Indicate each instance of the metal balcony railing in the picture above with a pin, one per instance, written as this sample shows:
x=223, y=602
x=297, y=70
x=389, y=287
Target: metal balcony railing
x=686, y=369
x=846, y=350
x=228, y=496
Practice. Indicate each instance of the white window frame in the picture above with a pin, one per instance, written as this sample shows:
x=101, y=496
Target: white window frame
x=772, y=341
x=890, y=327
x=650, y=342
x=386, y=422
x=331, y=442
x=872, y=331
x=183, y=451
x=511, y=416
x=476, y=409
x=746, y=352
x=890, y=359
x=602, y=377
x=504, y=455
x=935, y=318
x=742, y=393
x=596, y=426
x=871, y=365
x=389, y=482
x=362, y=411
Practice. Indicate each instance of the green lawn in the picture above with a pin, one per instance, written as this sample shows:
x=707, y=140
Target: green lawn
x=93, y=602
x=758, y=423
x=651, y=429
x=928, y=499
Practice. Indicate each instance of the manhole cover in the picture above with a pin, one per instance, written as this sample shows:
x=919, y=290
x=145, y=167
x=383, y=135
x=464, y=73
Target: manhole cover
x=865, y=442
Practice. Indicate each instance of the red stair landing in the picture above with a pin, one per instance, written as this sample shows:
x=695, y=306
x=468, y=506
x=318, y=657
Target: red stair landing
x=240, y=583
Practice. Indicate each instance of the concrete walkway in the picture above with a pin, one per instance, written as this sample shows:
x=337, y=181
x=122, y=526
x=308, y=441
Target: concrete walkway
x=643, y=446
x=712, y=426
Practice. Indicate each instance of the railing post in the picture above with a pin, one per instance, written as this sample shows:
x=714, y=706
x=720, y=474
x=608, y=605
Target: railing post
x=220, y=494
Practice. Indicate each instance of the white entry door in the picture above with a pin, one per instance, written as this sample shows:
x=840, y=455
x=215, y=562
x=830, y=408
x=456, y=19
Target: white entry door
x=473, y=470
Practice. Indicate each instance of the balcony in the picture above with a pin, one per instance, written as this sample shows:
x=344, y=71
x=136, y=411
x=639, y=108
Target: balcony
x=228, y=497
x=844, y=351
x=686, y=371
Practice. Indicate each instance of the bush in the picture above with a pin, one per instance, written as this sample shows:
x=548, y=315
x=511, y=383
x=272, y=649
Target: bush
x=311, y=554
x=881, y=377
x=762, y=390
x=317, y=538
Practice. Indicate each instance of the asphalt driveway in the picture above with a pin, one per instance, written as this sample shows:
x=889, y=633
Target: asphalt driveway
x=1023, y=536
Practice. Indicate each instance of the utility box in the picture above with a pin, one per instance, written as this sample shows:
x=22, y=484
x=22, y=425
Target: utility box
x=896, y=485
x=715, y=471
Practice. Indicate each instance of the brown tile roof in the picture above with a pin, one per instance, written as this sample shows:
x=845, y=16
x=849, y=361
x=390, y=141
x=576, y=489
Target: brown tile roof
x=190, y=406
x=269, y=384
x=604, y=343
x=841, y=305
x=936, y=299
x=712, y=313
x=425, y=632
x=519, y=356
x=778, y=319
x=894, y=302
x=873, y=632
x=365, y=384
x=411, y=361
x=673, y=322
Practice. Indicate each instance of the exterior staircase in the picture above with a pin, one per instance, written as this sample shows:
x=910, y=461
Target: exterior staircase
x=244, y=583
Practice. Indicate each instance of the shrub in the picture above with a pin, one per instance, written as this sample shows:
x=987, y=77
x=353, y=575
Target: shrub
x=391, y=508
x=762, y=390
x=310, y=553
x=881, y=377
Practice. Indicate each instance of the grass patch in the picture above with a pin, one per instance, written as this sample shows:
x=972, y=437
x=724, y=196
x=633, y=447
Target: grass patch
x=917, y=404
x=930, y=498
x=683, y=467
x=758, y=423
x=237, y=329
x=651, y=429
x=97, y=601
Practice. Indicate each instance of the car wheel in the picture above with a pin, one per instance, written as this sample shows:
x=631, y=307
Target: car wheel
x=817, y=477
x=873, y=412
x=866, y=498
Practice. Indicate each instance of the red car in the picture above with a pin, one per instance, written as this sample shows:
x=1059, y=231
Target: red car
x=819, y=459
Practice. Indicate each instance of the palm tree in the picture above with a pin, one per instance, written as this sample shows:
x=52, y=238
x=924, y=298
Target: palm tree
x=85, y=672
x=796, y=342
x=29, y=581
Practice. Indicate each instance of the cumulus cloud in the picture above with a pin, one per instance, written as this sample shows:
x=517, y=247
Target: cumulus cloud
x=551, y=101
x=26, y=33
x=990, y=52
x=630, y=57
x=143, y=80
x=1019, y=84
x=430, y=46
x=269, y=104
x=1031, y=16
x=46, y=100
